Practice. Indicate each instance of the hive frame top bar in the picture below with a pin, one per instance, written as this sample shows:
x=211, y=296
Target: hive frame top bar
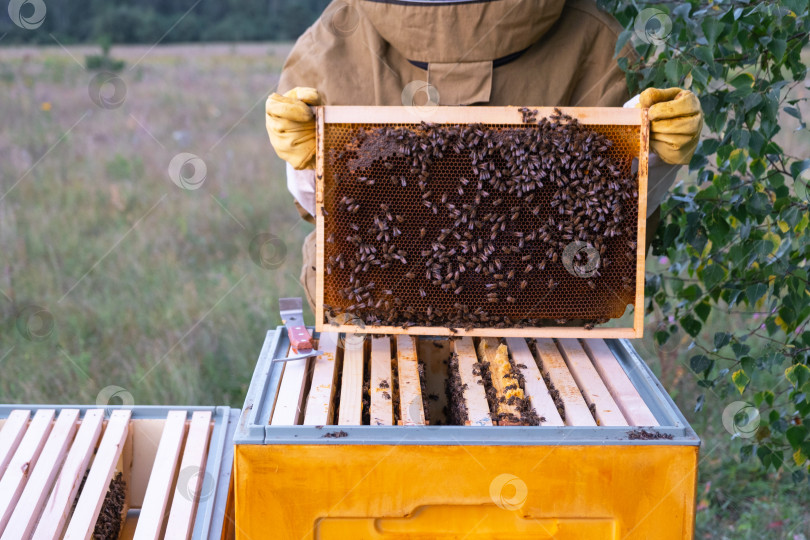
x=509, y=115
x=210, y=514
x=350, y=114
x=254, y=424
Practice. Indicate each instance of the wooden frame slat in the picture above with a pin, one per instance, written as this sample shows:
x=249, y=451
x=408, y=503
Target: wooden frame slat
x=98, y=479
x=361, y=114
x=319, y=410
x=641, y=236
x=577, y=412
x=350, y=412
x=475, y=396
x=411, y=407
x=56, y=510
x=161, y=478
x=20, y=465
x=534, y=385
x=544, y=332
x=11, y=435
x=192, y=472
x=618, y=383
x=496, y=355
x=486, y=115
x=24, y=517
x=319, y=225
x=381, y=385
x=290, y=399
x=590, y=383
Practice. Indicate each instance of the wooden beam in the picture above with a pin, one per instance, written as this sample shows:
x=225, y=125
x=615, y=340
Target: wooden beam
x=56, y=510
x=98, y=479
x=290, y=399
x=381, y=385
x=593, y=389
x=159, y=487
x=466, y=115
x=475, y=396
x=28, y=508
x=618, y=383
x=319, y=221
x=411, y=408
x=11, y=435
x=24, y=459
x=641, y=232
x=534, y=385
x=504, y=380
x=190, y=478
x=576, y=410
x=540, y=332
x=320, y=403
x=351, y=386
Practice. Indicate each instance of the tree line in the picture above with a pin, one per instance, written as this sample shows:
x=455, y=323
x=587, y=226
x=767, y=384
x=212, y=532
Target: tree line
x=148, y=21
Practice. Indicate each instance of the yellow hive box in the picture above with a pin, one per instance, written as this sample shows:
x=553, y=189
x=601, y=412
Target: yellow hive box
x=307, y=466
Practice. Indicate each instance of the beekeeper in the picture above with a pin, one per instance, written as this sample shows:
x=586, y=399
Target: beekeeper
x=463, y=52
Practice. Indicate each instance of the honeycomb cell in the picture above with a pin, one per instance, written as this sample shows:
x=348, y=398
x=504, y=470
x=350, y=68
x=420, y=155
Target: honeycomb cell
x=470, y=226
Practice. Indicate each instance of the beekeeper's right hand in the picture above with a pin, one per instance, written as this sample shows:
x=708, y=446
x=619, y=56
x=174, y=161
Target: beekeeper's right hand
x=291, y=126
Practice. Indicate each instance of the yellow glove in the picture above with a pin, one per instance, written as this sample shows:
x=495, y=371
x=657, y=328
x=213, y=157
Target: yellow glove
x=291, y=126
x=675, y=123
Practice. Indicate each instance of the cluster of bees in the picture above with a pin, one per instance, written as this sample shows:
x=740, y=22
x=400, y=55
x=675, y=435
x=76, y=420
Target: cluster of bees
x=465, y=226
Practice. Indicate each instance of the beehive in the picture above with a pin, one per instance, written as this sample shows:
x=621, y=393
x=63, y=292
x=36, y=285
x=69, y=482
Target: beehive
x=366, y=441
x=149, y=472
x=534, y=290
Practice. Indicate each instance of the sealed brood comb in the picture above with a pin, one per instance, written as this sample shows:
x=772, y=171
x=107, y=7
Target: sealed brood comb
x=482, y=221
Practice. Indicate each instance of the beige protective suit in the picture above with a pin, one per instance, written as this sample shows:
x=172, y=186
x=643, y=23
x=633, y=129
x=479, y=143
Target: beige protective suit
x=503, y=52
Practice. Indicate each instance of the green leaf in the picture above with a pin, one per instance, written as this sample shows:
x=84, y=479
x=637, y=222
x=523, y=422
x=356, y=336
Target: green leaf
x=624, y=37
x=759, y=204
x=700, y=363
x=691, y=293
x=691, y=326
x=713, y=275
x=747, y=365
x=740, y=380
x=711, y=29
x=777, y=48
x=703, y=310
x=798, y=375
x=737, y=159
x=755, y=292
x=743, y=80
x=740, y=349
x=797, y=167
x=704, y=54
x=765, y=455
x=796, y=435
x=721, y=339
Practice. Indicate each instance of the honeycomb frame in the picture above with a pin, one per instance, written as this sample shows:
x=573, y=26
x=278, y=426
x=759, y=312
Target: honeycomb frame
x=599, y=118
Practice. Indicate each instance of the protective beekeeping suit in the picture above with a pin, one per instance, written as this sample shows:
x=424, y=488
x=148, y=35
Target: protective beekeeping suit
x=463, y=52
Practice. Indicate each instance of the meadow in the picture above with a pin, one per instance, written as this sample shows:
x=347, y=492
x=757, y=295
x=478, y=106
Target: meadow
x=113, y=275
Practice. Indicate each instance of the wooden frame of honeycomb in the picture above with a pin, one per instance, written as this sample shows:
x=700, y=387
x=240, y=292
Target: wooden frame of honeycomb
x=557, y=307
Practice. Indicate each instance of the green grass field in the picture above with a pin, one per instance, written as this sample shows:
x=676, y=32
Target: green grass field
x=143, y=285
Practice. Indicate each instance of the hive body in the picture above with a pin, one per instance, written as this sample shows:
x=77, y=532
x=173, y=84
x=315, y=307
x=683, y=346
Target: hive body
x=605, y=456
